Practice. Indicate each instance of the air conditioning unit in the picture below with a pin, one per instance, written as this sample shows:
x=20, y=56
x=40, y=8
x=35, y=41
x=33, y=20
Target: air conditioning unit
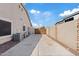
x=17, y=37
x=25, y=34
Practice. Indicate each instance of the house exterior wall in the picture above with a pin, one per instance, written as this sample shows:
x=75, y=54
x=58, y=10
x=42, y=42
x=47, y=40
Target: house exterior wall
x=66, y=33
x=16, y=14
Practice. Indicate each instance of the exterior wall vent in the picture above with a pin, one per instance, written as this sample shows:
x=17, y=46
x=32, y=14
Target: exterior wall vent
x=69, y=19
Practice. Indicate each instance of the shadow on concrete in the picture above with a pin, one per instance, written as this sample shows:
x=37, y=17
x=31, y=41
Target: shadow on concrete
x=66, y=47
x=32, y=43
x=25, y=47
x=4, y=47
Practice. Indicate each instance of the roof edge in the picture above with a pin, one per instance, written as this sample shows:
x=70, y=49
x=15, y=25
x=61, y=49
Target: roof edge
x=26, y=13
x=76, y=13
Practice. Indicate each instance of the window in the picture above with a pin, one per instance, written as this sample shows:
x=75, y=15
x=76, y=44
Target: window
x=5, y=28
x=19, y=6
x=21, y=9
x=69, y=19
x=23, y=28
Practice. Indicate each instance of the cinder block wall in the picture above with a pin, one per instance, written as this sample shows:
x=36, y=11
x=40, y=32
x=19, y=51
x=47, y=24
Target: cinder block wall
x=51, y=32
x=66, y=33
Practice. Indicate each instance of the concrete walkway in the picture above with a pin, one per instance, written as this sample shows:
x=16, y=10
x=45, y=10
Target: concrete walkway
x=38, y=45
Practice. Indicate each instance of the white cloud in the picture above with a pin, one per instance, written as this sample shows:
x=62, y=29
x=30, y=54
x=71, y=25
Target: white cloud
x=33, y=11
x=68, y=12
x=78, y=6
x=35, y=25
x=40, y=17
x=47, y=14
x=37, y=12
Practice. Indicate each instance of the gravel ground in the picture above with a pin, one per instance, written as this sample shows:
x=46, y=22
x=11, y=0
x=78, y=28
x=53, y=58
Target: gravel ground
x=4, y=47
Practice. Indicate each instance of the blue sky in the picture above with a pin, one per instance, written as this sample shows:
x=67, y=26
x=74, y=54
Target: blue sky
x=47, y=14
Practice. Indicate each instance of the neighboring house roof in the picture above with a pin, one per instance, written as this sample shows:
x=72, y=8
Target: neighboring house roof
x=27, y=14
x=76, y=13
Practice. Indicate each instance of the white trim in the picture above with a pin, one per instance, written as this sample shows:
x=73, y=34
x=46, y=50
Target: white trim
x=5, y=39
x=5, y=19
x=2, y=37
